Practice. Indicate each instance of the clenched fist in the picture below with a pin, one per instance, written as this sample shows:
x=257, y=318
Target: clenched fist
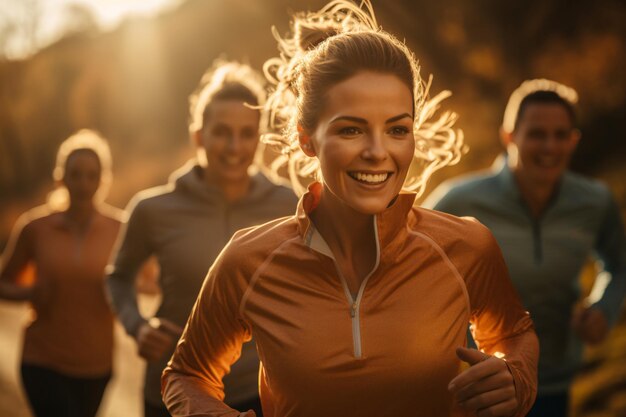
x=156, y=337
x=487, y=387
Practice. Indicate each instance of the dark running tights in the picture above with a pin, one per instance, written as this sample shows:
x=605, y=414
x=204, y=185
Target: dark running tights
x=52, y=394
x=151, y=410
x=555, y=405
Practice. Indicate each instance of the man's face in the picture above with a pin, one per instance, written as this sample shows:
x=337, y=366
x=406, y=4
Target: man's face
x=544, y=141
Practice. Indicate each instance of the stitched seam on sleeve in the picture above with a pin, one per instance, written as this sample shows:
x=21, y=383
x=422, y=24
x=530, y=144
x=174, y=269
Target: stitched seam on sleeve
x=257, y=274
x=448, y=262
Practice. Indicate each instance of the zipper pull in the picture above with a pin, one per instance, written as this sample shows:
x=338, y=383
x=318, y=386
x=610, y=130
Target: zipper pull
x=353, y=310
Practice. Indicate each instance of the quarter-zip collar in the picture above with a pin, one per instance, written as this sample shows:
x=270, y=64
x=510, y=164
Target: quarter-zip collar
x=390, y=230
x=511, y=188
x=391, y=224
x=511, y=191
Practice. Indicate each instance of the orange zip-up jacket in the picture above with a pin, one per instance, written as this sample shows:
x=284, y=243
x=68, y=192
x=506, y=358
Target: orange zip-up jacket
x=388, y=350
x=72, y=327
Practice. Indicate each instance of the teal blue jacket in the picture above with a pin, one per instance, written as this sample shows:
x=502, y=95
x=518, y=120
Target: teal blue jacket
x=546, y=255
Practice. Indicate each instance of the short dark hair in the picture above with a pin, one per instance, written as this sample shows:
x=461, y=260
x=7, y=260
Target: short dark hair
x=539, y=90
x=545, y=97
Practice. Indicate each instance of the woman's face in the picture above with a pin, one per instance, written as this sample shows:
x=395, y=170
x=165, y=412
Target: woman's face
x=364, y=140
x=229, y=139
x=82, y=175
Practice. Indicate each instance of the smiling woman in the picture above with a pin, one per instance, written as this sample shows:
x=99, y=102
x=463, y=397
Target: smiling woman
x=67, y=352
x=297, y=86
x=186, y=224
x=359, y=302
x=225, y=127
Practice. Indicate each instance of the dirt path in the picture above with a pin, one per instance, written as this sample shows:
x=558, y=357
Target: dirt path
x=123, y=397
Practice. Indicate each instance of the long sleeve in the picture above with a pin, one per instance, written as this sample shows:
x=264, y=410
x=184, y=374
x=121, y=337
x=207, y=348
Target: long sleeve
x=610, y=248
x=501, y=326
x=211, y=343
x=15, y=261
x=132, y=251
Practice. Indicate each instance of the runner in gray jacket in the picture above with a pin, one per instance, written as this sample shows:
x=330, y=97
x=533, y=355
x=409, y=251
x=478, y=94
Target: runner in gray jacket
x=186, y=223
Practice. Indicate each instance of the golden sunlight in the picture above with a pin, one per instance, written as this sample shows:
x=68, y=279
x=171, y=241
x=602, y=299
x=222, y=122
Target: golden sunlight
x=29, y=25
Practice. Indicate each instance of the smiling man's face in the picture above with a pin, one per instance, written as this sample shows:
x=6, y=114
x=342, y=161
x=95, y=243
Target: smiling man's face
x=544, y=141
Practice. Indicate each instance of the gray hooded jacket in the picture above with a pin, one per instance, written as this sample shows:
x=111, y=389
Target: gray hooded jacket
x=185, y=224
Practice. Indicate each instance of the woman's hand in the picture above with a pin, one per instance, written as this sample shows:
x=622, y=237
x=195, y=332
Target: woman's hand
x=156, y=337
x=487, y=387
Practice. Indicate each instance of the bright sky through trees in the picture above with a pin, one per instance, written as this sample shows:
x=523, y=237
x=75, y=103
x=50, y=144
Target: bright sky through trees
x=28, y=25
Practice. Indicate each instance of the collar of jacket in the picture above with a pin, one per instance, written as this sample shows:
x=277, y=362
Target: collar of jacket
x=391, y=224
x=510, y=188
